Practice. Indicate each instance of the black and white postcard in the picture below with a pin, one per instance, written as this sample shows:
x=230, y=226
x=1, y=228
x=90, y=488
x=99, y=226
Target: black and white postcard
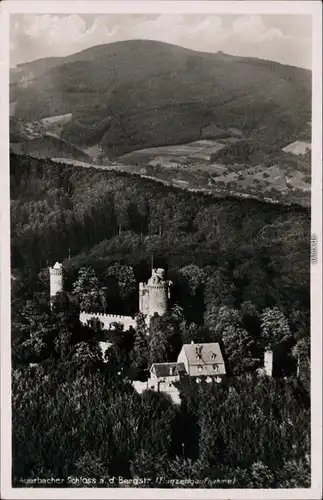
x=161, y=286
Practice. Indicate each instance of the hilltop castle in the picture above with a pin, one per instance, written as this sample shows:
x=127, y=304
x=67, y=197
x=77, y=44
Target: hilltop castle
x=202, y=360
x=153, y=299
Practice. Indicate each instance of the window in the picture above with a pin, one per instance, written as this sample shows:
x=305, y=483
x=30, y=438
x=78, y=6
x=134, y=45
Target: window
x=200, y=368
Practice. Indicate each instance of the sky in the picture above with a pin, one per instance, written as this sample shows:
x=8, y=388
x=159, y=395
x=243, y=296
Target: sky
x=282, y=38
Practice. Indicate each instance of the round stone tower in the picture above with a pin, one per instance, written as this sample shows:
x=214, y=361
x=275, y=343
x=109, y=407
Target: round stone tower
x=158, y=293
x=144, y=299
x=55, y=279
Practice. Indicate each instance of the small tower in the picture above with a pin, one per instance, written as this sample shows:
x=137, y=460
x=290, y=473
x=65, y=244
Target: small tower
x=154, y=295
x=269, y=362
x=158, y=293
x=55, y=279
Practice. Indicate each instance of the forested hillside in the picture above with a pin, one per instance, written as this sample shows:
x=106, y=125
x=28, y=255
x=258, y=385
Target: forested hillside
x=240, y=272
x=262, y=249
x=48, y=146
x=137, y=94
x=90, y=428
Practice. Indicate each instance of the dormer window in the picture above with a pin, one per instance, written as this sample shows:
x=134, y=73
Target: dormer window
x=215, y=368
x=213, y=355
x=200, y=368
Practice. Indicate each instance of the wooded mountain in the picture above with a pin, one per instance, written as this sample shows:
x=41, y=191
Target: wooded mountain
x=137, y=94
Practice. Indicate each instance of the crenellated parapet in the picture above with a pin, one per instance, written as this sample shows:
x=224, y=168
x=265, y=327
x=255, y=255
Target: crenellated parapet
x=108, y=320
x=153, y=299
x=103, y=315
x=55, y=272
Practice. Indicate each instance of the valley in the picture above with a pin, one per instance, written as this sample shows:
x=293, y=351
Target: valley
x=199, y=121
x=228, y=165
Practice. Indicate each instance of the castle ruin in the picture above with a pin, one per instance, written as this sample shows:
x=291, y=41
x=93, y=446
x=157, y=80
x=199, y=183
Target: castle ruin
x=153, y=299
x=154, y=295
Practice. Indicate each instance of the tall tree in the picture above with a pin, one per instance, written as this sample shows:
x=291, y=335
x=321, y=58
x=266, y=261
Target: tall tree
x=86, y=355
x=88, y=291
x=302, y=355
x=218, y=290
x=194, y=277
x=240, y=350
x=125, y=278
x=140, y=351
x=219, y=318
x=121, y=207
x=275, y=328
x=158, y=344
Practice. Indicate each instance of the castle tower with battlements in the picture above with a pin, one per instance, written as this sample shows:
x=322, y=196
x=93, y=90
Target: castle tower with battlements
x=153, y=298
x=55, y=280
x=154, y=295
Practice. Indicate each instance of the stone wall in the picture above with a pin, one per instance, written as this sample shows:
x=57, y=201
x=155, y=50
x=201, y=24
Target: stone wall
x=107, y=320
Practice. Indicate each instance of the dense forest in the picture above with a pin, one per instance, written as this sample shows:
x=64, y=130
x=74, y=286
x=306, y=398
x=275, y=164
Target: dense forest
x=240, y=270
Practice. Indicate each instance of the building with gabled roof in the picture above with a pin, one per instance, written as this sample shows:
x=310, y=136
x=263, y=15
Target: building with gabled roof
x=159, y=370
x=194, y=360
x=163, y=376
x=203, y=360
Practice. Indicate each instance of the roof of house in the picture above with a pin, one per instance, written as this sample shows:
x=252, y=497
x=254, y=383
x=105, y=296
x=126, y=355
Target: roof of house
x=166, y=369
x=203, y=354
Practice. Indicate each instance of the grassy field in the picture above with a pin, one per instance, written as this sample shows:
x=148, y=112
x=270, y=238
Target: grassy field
x=181, y=153
x=190, y=165
x=54, y=125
